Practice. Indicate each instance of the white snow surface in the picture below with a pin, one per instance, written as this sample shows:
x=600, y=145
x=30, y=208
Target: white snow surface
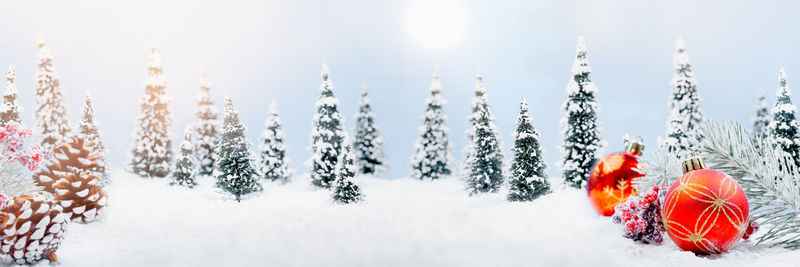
x=403, y=222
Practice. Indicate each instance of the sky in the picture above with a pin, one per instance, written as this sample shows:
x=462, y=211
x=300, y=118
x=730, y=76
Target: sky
x=263, y=51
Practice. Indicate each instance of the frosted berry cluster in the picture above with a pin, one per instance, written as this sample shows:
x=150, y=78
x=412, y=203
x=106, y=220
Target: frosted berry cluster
x=640, y=216
x=3, y=202
x=12, y=141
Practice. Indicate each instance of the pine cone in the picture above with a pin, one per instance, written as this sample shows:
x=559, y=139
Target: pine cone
x=68, y=177
x=81, y=195
x=32, y=229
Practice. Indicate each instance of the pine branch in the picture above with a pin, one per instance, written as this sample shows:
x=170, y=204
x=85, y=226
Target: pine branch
x=660, y=167
x=768, y=177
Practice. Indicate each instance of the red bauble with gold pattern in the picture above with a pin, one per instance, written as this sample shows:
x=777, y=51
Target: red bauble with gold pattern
x=610, y=180
x=705, y=211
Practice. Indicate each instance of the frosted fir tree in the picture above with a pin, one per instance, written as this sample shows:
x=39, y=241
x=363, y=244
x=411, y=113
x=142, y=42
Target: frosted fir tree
x=683, y=134
x=151, y=152
x=784, y=125
x=345, y=189
x=206, y=127
x=51, y=114
x=432, y=159
x=581, y=133
x=762, y=118
x=185, y=170
x=485, y=166
x=368, y=143
x=274, y=161
x=528, y=180
x=10, y=110
x=327, y=134
x=235, y=173
x=480, y=91
x=88, y=131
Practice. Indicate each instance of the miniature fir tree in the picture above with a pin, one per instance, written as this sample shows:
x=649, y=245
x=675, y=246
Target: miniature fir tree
x=10, y=110
x=327, y=134
x=683, y=134
x=368, y=143
x=151, y=152
x=762, y=118
x=581, y=135
x=485, y=165
x=185, y=168
x=206, y=127
x=88, y=131
x=274, y=161
x=528, y=180
x=432, y=159
x=235, y=174
x=784, y=126
x=345, y=189
x=480, y=91
x=51, y=114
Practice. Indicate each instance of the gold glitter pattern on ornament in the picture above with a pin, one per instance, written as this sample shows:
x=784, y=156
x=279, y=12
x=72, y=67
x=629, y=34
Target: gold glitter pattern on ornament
x=719, y=210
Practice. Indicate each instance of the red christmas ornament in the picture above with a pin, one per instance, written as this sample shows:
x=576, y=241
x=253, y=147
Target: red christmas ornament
x=705, y=211
x=611, y=177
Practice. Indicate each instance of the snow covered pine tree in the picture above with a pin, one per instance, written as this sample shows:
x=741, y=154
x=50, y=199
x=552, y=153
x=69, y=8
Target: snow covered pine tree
x=484, y=170
x=235, y=172
x=581, y=136
x=88, y=131
x=10, y=110
x=784, y=126
x=528, y=180
x=345, y=189
x=327, y=134
x=151, y=153
x=683, y=134
x=52, y=117
x=274, y=161
x=480, y=91
x=762, y=119
x=207, y=127
x=432, y=159
x=185, y=168
x=368, y=143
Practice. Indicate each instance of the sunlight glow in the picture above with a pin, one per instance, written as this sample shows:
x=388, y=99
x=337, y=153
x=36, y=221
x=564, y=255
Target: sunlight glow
x=436, y=24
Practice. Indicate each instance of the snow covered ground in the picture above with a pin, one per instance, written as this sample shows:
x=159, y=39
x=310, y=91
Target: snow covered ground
x=403, y=222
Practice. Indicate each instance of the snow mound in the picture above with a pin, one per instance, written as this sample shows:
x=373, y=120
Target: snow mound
x=402, y=222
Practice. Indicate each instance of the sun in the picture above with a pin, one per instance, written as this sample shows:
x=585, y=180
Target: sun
x=436, y=24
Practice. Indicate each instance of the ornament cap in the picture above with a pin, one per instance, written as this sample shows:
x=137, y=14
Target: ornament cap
x=693, y=163
x=635, y=147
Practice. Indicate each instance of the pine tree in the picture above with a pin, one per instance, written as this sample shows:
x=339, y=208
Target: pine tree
x=368, y=143
x=432, y=159
x=207, y=127
x=185, y=168
x=327, y=134
x=344, y=188
x=88, y=131
x=581, y=136
x=480, y=91
x=528, y=180
x=51, y=114
x=485, y=166
x=235, y=172
x=784, y=125
x=762, y=118
x=683, y=134
x=151, y=152
x=274, y=161
x=10, y=110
